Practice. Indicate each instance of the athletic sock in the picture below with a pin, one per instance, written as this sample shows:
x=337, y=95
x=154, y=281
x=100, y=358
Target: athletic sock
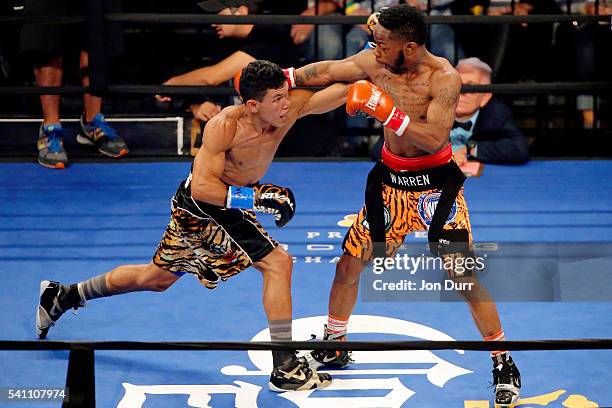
x=77, y=293
x=497, y=355
x=280, y=330
x=94, y=288
x=336, y=326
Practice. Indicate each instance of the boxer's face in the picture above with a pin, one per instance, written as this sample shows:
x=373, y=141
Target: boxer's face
x=274, y=107
x=469, y=103
x=390, y=51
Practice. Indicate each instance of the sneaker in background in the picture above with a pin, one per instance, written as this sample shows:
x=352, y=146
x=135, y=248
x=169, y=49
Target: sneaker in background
x=99, y=133
x=50, y=145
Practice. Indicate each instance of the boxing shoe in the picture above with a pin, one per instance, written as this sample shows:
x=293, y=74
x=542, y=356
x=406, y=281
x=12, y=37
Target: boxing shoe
x=294, y=374
x=330, y=358
x=54, y=302
x=506, y=379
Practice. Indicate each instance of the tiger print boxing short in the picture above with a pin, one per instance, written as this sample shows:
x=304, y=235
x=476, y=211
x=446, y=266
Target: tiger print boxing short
x=211, y=242
x=409, y=198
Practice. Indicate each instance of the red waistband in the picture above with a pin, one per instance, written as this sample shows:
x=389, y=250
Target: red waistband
x=399, y=163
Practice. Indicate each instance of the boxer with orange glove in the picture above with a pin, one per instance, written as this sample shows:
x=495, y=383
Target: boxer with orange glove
x=365, y=97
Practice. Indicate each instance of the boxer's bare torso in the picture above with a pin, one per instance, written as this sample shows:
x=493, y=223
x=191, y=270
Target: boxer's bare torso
x=239, y=146
x=250, y=149
x=411, y=92
x=426, y=88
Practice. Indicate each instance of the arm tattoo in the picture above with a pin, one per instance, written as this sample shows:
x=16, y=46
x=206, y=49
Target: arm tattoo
x=309, y=72
x=448, y=96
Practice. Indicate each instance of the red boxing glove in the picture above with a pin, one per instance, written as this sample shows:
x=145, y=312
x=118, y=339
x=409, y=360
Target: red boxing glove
x=365, y=97
x=290, y=75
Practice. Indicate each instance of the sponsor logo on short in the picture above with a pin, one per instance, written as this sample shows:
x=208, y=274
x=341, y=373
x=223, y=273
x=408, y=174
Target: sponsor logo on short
x=427, y=205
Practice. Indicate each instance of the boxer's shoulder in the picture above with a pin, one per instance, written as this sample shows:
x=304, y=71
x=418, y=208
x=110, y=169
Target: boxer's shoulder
x=366, y=61
x=442, y=68
x=221, y=130
x=228, y=119
x=229, y=115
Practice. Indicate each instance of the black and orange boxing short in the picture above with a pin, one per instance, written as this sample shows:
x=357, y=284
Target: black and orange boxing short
x=214, y=243
x=411, y=190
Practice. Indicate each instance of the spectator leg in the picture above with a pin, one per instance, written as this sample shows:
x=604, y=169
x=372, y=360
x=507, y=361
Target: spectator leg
x=50, y=74
x=355, y=41
x=92, y=104
x=330, y=42
x=442, y=39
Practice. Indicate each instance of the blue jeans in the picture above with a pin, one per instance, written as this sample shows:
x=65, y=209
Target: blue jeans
x=442, y=40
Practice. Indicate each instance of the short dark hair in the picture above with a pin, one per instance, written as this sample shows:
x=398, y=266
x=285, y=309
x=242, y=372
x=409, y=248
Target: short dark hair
x=258, y=77
x=404, y=21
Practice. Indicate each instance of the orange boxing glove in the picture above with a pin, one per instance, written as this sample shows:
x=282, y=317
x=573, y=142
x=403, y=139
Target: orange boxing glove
x=289, y=74
x=237, y=81
x=365, y=97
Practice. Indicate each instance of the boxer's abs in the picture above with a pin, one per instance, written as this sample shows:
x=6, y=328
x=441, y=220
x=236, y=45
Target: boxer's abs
x=243, y=174
x=249, y=159
x=403, y=147
x=415, y=105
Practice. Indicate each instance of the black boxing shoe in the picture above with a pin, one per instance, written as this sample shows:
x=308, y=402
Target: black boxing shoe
x=294, y=374
x=330, y=358
x=54, y=302
x=506, y=379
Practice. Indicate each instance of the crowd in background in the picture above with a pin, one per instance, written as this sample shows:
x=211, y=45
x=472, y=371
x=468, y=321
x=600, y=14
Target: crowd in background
x=209, y=55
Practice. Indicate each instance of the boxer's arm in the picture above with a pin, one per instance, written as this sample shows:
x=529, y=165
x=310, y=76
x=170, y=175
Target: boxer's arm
x=322, y=101
x=213, y=75
x=209, y=164
x=326, y=72
x=433, y=134
x=208, y=168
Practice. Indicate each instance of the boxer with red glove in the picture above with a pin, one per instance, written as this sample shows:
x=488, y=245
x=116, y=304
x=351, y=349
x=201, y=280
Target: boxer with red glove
x=365, y=97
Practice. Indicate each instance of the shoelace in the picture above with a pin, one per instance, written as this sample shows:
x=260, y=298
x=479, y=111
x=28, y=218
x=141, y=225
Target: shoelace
x=305, y=367
x=100, y=123
x=74, y=309
x=503, y=376
x=54, y=138
x=349, y=352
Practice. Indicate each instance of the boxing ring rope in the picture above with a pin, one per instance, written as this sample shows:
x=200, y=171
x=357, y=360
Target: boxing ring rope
x=340, y=19
x=509, y=88
x=80, y=377
x=475, y=345
x=201, y=19
x=99, y=79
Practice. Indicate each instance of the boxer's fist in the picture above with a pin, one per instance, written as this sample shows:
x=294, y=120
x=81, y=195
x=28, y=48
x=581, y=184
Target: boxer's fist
x=365, y=97
x=273, y=199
